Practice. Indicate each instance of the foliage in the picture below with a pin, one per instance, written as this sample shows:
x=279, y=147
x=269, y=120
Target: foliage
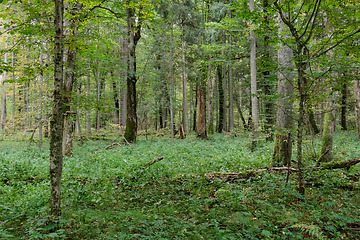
x=110, y=193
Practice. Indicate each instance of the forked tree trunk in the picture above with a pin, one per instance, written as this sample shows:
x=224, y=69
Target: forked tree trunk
x=56, y=123
x=284, y=124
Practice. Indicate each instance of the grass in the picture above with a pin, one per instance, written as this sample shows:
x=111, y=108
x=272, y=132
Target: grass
x=109, y=194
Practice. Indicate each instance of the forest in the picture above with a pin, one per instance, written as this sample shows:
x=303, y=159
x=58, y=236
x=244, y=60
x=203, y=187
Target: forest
x=179, y=119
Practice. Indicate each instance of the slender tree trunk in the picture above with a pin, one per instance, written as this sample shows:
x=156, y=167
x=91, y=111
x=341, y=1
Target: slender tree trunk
x=98, y=87
x=357, y=107
x=254, y=106
x=195, y=107
x=41, y=99
x=56, y=123
x=171, y=80
x=284, y=125
x=211, y=87
x=224, y=82
x=185, y=102
x=78, y=125
x=13, y=89
x=116, y=101
x=220, y=124
x=201, y=113
x=3, y=97
x=343, y=106
x=231, y=102
x=124, y=96
x=88, y=125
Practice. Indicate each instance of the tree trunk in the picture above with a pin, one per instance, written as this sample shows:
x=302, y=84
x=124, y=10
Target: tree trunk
x=124, y=97
x=78, y=125
x=231, y=101
x=98, y=92
x=343, y=106
x=133, y=38
x=357, y=107
x=70, y=56
x=220, y=124
x=328, y=133
x=224, y=81
x=201, y=113
x=88, y=125
x=254, y=106
x=3, y=97
x=116, y=101
x=56, y=123
x=195, y=106
x=185, y=102
x=13, y=89
x=211, y=87
x=41, y=100
x=284, y=125
x=171, y=80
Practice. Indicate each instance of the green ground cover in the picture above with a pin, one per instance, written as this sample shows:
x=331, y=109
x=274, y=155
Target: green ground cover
x=111, y=194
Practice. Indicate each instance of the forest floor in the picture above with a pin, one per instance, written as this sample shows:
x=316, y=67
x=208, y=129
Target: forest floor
x=115, y=193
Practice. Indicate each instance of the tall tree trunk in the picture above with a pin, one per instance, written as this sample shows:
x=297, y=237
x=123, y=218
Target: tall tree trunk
x=268, y=104
x=171, y=79
x=201, y=113
x=88, y=122
x=357, y=107
x=185, y=102
x=195, y=105
x=343, y=106
x=124, y=96
x=116, y=101
x=70, y=56
x=56, y=123
x=133, y=38
x=211, y=87
x=78, y=125
x=3, y=97
x=224, y=82
x=284, y=125
x=41, y=99
x=254, y=106
x=231, y=102
x=220, y=124
x=13, y=88
x=98, y=92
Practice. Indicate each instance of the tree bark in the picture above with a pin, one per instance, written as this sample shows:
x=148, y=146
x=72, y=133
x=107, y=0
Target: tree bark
x=201, y=113
x=254, y=102
x=133, y=38
x=70, y=56
x=88, y=121
x=185, y=102
x=357, y=107
x=98, y=92
x=56, y=123
x=284, y=125
x=211, y=87
x=13, y=88
x=41, y=99
x=343, y=106
x=3, y=97
x=220, y=124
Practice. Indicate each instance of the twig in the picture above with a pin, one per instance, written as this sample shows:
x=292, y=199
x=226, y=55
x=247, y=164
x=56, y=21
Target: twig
x=154, y=161
x=111, y=145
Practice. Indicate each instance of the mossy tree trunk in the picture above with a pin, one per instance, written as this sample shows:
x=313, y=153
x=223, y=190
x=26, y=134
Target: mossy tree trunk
x=56, y=123
x=357, y=107
x=328, y=134
x=134, y=36
x=284, y=123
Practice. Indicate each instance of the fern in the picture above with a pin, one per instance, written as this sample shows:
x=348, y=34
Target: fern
x=312, y=230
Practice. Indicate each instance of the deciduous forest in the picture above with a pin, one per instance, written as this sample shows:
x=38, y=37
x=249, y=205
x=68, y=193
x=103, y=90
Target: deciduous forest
x=179, y=119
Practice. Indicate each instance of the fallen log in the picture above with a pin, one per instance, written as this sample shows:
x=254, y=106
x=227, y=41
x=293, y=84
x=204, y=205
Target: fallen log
x=230, y=176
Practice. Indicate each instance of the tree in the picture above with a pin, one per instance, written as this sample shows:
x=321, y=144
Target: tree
x=134, y=35
x=56, y=123
x=283, y=140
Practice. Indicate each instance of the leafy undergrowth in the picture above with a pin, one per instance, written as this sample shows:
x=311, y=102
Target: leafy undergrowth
x=111, y=194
